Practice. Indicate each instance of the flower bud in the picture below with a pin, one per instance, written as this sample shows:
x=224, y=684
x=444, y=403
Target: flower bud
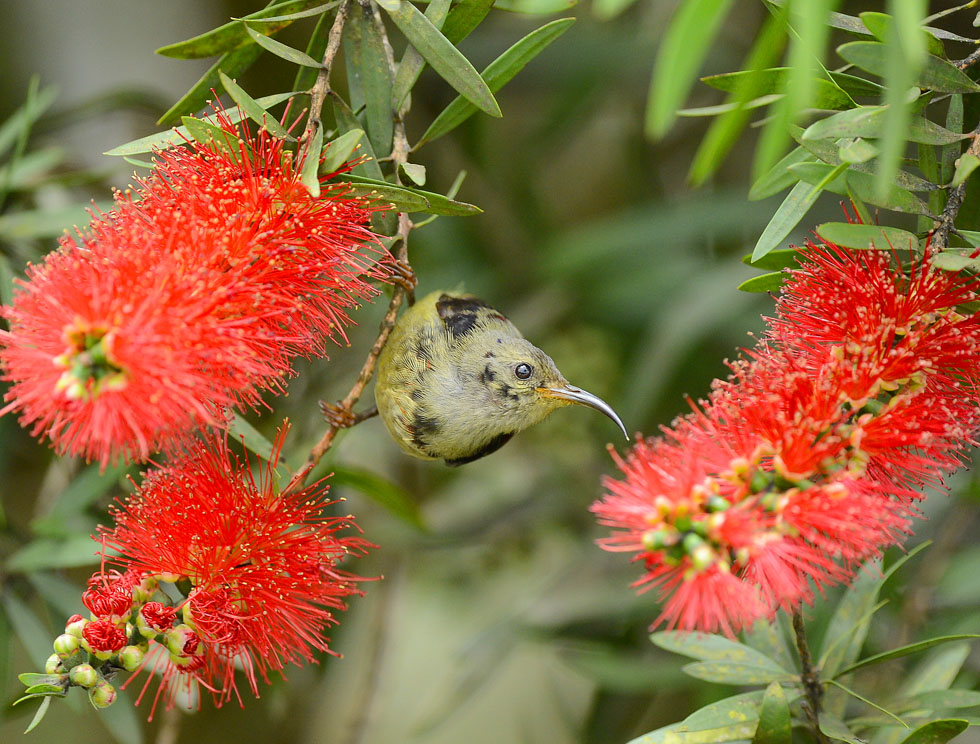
x=102, y=695
x=65, y=645
x=75, y=625
x=182, y=641
x=53, y=665
x=130, y=658
x=83, y=675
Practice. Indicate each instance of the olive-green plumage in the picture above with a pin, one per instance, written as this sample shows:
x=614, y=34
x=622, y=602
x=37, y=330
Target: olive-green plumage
x=457, y=380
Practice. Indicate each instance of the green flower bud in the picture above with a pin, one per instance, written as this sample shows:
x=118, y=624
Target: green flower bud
x=102, y=695
x=65, y=645
x=83, y=675
x=130, y=657
x=53, y=665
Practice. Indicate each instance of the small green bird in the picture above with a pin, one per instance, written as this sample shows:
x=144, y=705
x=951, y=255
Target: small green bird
x=457, y=380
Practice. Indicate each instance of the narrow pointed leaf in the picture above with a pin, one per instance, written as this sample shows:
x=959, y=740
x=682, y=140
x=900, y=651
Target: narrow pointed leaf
x=880, y=25
x=414, y=172
x=951, y=152
x=25, y=116
x=39, y=715
x=441, y=55
x=412, y=62
x=953, y=261
x=938, y=671
x=779, y=176
x=535, y=7
x=937, y=732
x=912, y=648
x=433, y=203
x=777, y=260
x=707, y=647
x=833, y=179
x=271, y=22
x=339, y=150
x=214, y=136
x=864, y=237
x=774, y=718
x=174, y=137
x=827, y=94
x=375, y=82
x=281, y=50
x=830, y=152
x=944, y=699
x=835, y=728
x=856, y=151
x=854, y=85
x=770, y=282
x=253, y=109
x=242, y=431
x=935, y=74
x=966, y=164
x=395, y=500
x=867, y=702
x=684, y=46
x=793, y=209
x=315, y=47
x=868, y=121
x=232, y=63
x=309, y=175
x=497, y=74
x=232, y=35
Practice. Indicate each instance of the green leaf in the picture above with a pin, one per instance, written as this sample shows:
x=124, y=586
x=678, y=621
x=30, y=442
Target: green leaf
x=395, y=500
x=778, y=177
x=45, y=689
x=867, y=702
x=867, y=121
x=793, y=209
x=684, y=46
x=253, y=109
x=856, y=151
x=953, y=261
x=848, y=627
x=944, y=699
x=44, y=553
x=829, y=152
x=25, y=116
x=412, y=62
x=6, y=277
x=214, y=136
x=535, y=7
x=339, y=150
x=774, y=718
x=281, y=50
x=938, y=671
x=496, y=75
x=835, y=728
x=439, y=52
x=739, y=710
x=708, y=647
x=936, y=732
x=39, y=715
x=827, y=94
x=965, y=165
x=733, y=673
x=232, y=35
x=771, y=282
x=57, y=592
x=863, y=184
x=309, y=176
x=35, y=679
x=242, y=431
x=737, y=732
x=315, y=48
x=951, y=152
x=376, y=81
x=862, y=237
x=881, y=26
x=233, y=64
x=972, y=237
x=935, y=74
x=270, y=24
x=464, y=17
x=173, y=137
x=854, y=85
x=606, y=10
x=84, y=490
x=415, y=200
x=413, y=172
x=776, y=260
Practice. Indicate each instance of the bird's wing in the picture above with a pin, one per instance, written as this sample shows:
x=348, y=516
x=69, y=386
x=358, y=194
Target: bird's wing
x=461, y=314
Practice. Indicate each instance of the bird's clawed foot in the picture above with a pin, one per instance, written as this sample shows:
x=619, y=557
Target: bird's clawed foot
x=404, y=276
x=340, y=417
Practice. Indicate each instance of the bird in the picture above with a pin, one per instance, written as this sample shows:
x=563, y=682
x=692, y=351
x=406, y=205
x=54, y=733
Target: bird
x=456, y=381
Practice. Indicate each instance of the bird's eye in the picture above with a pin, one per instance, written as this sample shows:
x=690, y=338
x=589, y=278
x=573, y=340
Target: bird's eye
x=523, y=371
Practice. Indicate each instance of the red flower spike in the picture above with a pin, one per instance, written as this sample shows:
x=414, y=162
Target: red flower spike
x=104, y=636
x=190, y=297
x=157, y=616
x=808, y=460
x=264, y=565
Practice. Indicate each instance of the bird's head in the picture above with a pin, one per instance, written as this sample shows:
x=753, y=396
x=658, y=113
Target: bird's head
x=524, y=385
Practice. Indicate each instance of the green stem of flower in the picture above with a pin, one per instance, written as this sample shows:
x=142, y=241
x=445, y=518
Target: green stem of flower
x=812, y=687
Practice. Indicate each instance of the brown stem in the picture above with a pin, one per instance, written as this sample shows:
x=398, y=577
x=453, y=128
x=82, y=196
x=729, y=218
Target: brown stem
x=320, y=89
x=969, y=60
x=810, y=678
x=940, y=233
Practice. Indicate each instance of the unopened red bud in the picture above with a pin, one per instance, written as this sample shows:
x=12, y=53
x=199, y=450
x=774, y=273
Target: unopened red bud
x=53, y=665
x=102, y=695
x=83, y=675
x=65, y=645
x=130, y=658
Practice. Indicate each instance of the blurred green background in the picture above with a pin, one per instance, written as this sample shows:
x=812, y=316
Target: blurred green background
x=499, y=620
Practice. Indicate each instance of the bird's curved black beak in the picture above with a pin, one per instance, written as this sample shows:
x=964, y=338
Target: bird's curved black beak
x=585, y=398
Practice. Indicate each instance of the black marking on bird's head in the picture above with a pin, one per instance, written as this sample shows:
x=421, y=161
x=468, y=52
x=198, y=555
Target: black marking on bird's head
x=460, y=315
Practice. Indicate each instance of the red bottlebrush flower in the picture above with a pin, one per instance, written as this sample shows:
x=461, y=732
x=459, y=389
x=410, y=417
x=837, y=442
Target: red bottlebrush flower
x=263, y=564
x=157, y=616
x=190, y=297
x=104, y=636
x=108, y=602
x=809, y=458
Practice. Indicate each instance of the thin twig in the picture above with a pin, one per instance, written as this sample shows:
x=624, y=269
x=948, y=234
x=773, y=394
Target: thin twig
x=969, y=60
x=809, y=677
x=939, y=240
x=318, y=93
